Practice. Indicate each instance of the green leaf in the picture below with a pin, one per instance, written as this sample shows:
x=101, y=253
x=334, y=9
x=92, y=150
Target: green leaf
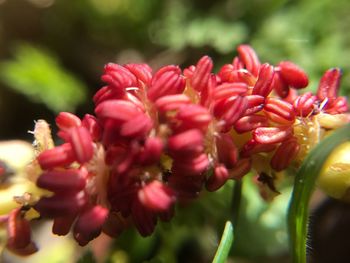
x=303, y=187
x=225, y=244
x=38, y=75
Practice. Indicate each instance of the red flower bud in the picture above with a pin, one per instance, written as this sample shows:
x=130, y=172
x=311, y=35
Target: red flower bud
x=59, y=156
x=167, y=81
x=249, y=58
x=263, y=86
x=270, y=135
x=201, y=74
x=293, y=75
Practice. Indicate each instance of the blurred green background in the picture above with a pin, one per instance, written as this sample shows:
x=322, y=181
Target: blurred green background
x=52, y=53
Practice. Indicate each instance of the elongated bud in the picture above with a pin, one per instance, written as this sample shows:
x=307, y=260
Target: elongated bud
x=119, y=110
x=226, y=150
x=144, y=219
x=263, y=86
x=82, y=144
x=156, y=196
x=172, y=102
x=151, y=152
x=202, y=73
x=270, y=135
x=279, y=85
x=285, y=154
x=255, y=103
x=167, y=81
x=193, y=116
x=218, y=178
x=137, y=127
x=59, y=156
x=194, y=165
x=252, y=147
x=91, y=124
x=142, y=72
x=62, y=180
x=293, y=75
x=249, y=58
x=186, y=143
x=66, y=120
x=279, y=111
x=304, y=104
x=242, y=167
x=250, y=122
x=329, y=84
x=227, y=90
x=118, y=77
x=89, y=224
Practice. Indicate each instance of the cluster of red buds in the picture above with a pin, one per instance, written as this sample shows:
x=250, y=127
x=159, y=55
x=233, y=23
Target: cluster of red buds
x=157, y=138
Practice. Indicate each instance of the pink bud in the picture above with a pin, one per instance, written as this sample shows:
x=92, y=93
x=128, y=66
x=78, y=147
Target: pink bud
x=252, y=147
x=226, y=150
x=193, y=116
x=151, y=152
x=186, y=143
x=293, y=75
x=156, y=196
x=118, y=77
x=91, y=124
x=270, y=135
x=82, y=144
x=201, y=74
x=62, y=180
x=59, y=156
x=263, y=86
x=339, y=105
x=167, y=81
x=304, y=104
x=230, y=110
x=191, y=166
x=249, y=58
x=139, y=126
x=218, y=178
x=242, y=167
x=171, y=102
x=227, y=90
x=285, y=154
x=67, y=120
x=142, y=72
x=119, y=110
x=251, y=122
x=279, y=85
x=255, y=104
x=329, y=85
x=279, y=111
x=89, y=224
x=107, y=93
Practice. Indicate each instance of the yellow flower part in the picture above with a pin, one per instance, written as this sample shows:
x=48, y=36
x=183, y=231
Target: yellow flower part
x=334, y=178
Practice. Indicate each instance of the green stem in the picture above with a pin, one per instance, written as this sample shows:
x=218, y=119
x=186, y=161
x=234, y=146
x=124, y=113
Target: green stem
x=236, y=201
x=303, y=187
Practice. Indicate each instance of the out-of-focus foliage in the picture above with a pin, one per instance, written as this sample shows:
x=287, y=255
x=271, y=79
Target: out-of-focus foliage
x=38, y=75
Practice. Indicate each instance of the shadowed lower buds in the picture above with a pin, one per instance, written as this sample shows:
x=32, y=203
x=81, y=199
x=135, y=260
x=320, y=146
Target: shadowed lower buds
x=89, y=224
x=217, y=179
